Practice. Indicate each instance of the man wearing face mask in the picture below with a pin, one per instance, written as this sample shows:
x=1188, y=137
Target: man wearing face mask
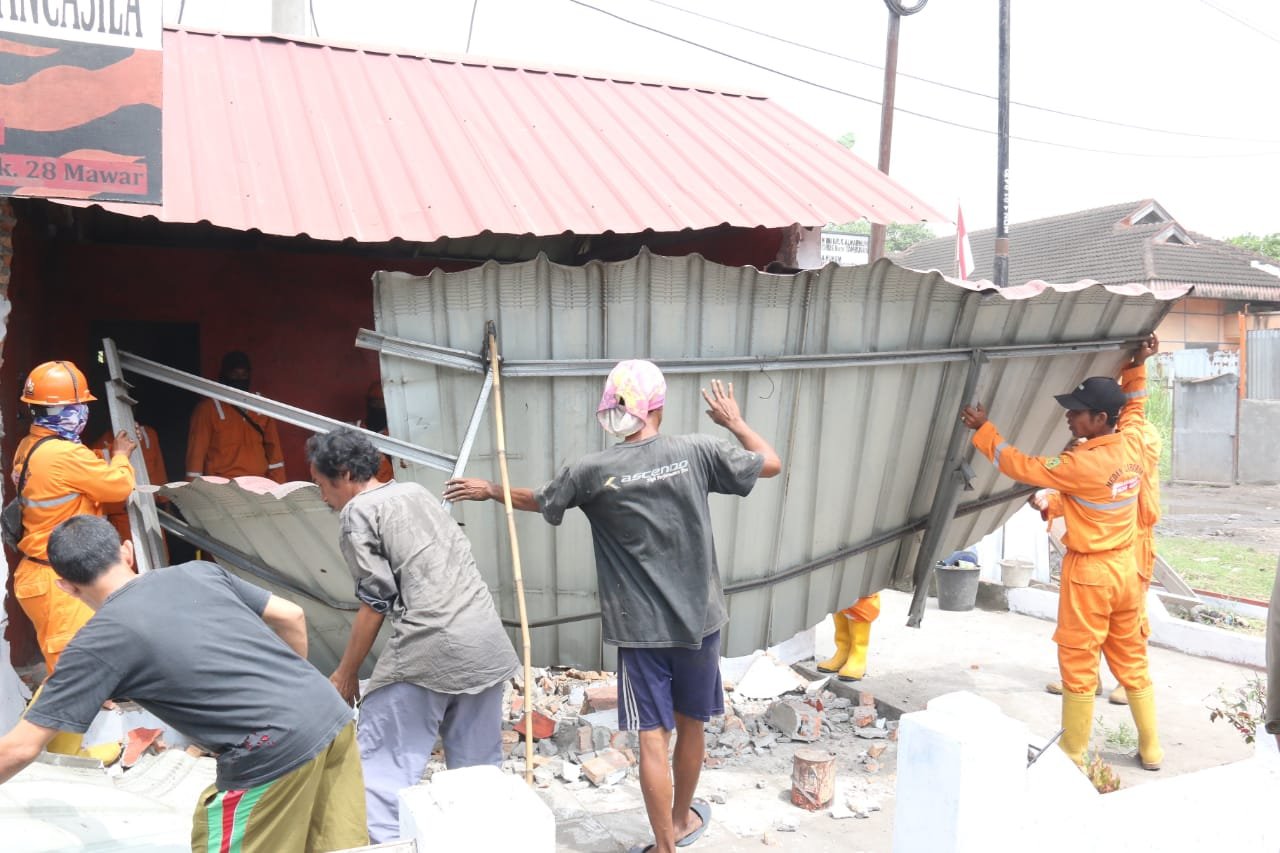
x=60, y=478
x=228, y=441
x=660, y=594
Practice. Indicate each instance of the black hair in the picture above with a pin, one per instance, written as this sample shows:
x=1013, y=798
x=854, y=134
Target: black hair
x=344, y=451
x=82, y=548
x=234, y=360
x=1113, y=418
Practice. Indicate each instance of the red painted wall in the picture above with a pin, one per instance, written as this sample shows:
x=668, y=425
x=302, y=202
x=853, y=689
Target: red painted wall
x=295, y=313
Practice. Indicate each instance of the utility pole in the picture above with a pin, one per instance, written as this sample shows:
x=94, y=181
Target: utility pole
x=876, y=249
x=1000, y=267
x=897, y=9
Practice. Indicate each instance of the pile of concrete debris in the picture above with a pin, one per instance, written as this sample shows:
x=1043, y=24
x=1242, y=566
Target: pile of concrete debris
x=577, y=738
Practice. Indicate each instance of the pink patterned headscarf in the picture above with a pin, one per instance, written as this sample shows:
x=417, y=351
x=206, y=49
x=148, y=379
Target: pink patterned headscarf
x=635, y=385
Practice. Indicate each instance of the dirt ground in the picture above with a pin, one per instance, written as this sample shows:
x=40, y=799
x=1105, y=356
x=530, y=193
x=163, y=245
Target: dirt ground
x=1244, y=515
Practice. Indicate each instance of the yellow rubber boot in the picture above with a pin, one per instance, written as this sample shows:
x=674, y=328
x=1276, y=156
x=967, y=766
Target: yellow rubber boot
x=108, y=753
x=842, y=644
x=1077, y=725
x=1142, y=705
x=65, y=743
x=856, y=666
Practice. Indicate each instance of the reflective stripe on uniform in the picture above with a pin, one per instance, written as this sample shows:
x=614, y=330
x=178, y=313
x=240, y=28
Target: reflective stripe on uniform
x=218, y=406
x=999, y=447
x=1109, y=507
x=1133, y=395
x=276, y=465
x=48, y=502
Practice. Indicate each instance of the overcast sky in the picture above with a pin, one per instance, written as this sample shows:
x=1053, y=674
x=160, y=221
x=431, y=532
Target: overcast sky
x=1193, y=68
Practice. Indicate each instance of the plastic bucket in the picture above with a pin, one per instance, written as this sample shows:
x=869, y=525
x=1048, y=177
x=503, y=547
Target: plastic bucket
x=957, y=587
x=1015, y=572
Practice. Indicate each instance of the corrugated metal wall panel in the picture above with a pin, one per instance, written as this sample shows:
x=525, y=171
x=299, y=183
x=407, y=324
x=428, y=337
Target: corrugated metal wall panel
x=290, y=530
x=1262, y=361
x=863, y=447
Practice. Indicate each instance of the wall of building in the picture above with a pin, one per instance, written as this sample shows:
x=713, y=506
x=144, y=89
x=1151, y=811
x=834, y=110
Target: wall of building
x=296, y=314
x=1195, y=322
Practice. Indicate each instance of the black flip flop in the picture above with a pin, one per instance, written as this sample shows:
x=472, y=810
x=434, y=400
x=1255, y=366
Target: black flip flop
x=702, y=810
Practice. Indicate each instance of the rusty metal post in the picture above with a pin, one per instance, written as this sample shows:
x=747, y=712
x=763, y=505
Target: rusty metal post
x=1000, y=263
x=875, y=250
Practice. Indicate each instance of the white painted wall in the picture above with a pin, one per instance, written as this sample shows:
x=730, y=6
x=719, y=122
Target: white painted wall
x=13, y=693
x=1023, y=537
x=964, y=785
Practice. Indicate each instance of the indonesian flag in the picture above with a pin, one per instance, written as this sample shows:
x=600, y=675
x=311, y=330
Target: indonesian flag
x=964, y=252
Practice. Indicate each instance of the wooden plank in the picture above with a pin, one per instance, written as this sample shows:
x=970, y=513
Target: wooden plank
x=1172, y=581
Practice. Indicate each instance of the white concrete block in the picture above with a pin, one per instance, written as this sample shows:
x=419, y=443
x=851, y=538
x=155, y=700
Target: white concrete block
x=1032, y=601
x=476, y=808
x=1221, y=808
x=962, y=774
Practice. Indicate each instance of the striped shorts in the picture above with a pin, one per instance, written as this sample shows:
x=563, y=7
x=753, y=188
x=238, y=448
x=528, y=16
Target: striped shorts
x=655, y=684
x=318, y=806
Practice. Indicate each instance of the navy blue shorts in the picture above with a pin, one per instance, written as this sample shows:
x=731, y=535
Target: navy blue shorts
x=655, y=684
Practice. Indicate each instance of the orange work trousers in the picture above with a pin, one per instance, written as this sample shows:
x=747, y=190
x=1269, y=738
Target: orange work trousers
x=56, y=615
x=864, y=609
x=1100, y=608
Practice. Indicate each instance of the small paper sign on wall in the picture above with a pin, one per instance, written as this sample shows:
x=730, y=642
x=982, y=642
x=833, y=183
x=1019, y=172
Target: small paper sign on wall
x=80, y=99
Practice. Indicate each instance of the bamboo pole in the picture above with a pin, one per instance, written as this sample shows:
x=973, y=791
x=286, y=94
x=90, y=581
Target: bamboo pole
x=494, y=361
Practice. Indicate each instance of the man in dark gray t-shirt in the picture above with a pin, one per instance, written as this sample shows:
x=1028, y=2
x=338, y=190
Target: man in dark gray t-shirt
x=223, y=662
x=661, y=599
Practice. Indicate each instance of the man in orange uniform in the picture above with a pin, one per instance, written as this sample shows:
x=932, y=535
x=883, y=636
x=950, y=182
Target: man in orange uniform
x=64, y=479
x=853, y=639
x=228, y=441
x=151, y=458
x=1050, y=505
x=1100, y=600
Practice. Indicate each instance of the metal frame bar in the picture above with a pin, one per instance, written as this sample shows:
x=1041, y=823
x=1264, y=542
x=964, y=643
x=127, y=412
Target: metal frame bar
x=464, y=452
x=149, y=550
x=475, y=363
x=956, y=475
x=877, y=541
x=282, y=411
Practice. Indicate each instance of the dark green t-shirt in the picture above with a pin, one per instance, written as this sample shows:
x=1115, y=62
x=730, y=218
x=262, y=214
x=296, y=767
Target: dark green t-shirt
x=656, y=569
x=188, y=644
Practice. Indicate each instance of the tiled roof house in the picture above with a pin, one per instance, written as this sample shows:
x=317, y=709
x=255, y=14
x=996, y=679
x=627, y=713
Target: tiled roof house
x=1135, y=242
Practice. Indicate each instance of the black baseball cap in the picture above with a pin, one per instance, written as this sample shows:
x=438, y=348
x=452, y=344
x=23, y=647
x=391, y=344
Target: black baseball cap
x=1095, y=394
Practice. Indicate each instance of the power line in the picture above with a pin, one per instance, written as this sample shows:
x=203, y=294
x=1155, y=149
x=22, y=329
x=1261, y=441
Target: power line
x=314, y=27
x=1242, y=21
x=471, y=26
x=953, y=87
x=926, y=116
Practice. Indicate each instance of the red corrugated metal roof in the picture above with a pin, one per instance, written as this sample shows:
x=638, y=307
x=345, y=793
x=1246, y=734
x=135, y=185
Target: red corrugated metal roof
x=294, y=137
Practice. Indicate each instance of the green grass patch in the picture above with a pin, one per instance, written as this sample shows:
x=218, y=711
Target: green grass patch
x=1160, y=415
x=1219, y=566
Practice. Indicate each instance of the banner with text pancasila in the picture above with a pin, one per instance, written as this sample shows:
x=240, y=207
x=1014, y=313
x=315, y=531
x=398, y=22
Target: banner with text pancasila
x=80, y=99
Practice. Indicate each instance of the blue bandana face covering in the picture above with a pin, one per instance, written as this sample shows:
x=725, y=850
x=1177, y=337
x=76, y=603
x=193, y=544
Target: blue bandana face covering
x=69, y=421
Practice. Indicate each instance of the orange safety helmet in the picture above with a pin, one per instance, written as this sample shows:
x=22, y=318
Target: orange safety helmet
x=56, y=383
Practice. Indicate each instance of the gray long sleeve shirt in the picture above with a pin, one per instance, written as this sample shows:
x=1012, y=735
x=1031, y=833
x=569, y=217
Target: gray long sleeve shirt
x=412, y=563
